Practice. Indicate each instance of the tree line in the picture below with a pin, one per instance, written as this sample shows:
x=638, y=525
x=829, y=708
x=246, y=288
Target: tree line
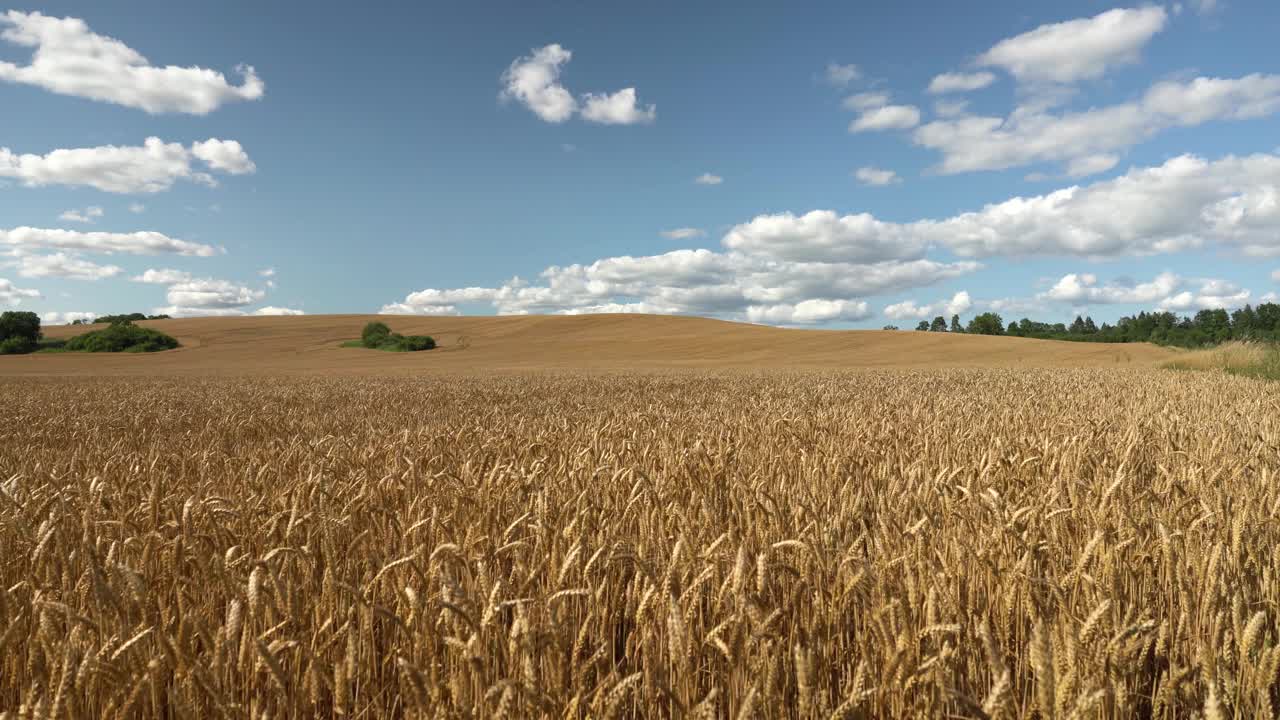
x=1205, y=328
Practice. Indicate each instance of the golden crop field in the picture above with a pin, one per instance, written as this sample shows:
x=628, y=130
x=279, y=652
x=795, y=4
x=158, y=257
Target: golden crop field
x=1092, y=543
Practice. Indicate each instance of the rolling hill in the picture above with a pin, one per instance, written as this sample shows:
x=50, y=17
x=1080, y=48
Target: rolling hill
x=310, y=345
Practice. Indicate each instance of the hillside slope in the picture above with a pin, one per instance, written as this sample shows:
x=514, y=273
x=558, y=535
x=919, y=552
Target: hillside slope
x=310, y=344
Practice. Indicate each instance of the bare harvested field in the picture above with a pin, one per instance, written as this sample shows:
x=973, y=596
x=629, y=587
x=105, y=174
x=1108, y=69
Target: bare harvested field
x=275, y=345
x=1000, y=543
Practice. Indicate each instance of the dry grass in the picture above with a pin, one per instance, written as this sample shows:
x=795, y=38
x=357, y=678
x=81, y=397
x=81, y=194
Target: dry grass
x=1239, y=358
x=966, y=543
x=311, y=345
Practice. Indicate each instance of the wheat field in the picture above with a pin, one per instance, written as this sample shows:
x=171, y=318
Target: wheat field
x=983, y=543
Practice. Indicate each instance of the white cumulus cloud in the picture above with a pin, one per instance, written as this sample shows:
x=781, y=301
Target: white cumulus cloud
x=26, y=239
x=151, y=167
x=888, y=117
x=708, y=179
x=62, y=265
x=534, y=81
x=162, y=276
x=620, y=108
x=70, y=59
x=1080, y=49
x=959, y=303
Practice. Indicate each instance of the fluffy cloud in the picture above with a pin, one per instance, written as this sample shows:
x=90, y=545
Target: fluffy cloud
x=1165, y=292
x=960, y=82
x=889, y=117
x=708, y=179
x=65, y=318
x=696, y=282
x=1083, y=289
x=25, y=239
x=809, y=312
x=786, y=259
x=11, y=295
x=534, y=81
x=1087, y=140
x=273, y=310
x=179, y=311
x=207, y=294
x=1076, y=50
x=841, y=75
x=224, y=155
x=1212, y=295
x=69, y=59
x=62, y=265
x=163, y=276
x=620, y=108
x=959, y=303
x=87, y=215
x=822, y=235
x=150, y=168
x=876, y=176
x=137, y=208
x=684, y=233
x=866, y=101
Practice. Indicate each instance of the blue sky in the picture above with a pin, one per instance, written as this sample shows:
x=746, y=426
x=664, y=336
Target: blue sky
x=859, y=166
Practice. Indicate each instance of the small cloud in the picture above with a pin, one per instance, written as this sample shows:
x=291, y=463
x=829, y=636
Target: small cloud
x=708, y=179
x=960, y=82
x=268, y=272
x=568, y=147
x=86, y=215
x=866, y=101
x=684, y=233
x=841, y=75
x=272, y=310
x=162, y=276
x=889, y=117
x=876, y=176
x=137, y=208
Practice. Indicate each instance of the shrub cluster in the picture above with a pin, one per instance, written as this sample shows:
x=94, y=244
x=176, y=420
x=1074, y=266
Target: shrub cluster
x=378, y=336
x=19, y=332
x=126, y=317
x=122, y=336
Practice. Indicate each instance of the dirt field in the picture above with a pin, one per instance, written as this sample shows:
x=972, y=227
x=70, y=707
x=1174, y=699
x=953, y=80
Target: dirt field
x=308, y=345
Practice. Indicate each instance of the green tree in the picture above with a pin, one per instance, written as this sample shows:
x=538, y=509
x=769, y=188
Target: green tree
x=923, y=326
x=939, y=324
x=375, y=333
x=955, y=324
x=890, y=327
x=988, y=323
x=19, y=332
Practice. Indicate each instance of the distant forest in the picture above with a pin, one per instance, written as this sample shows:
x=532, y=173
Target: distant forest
x=1205, y=328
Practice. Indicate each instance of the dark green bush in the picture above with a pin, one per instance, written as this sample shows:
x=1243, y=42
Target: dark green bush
x=122, y=336
x=17, y=346
x=414, y=343
x=375, y=334
x=19, y=324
